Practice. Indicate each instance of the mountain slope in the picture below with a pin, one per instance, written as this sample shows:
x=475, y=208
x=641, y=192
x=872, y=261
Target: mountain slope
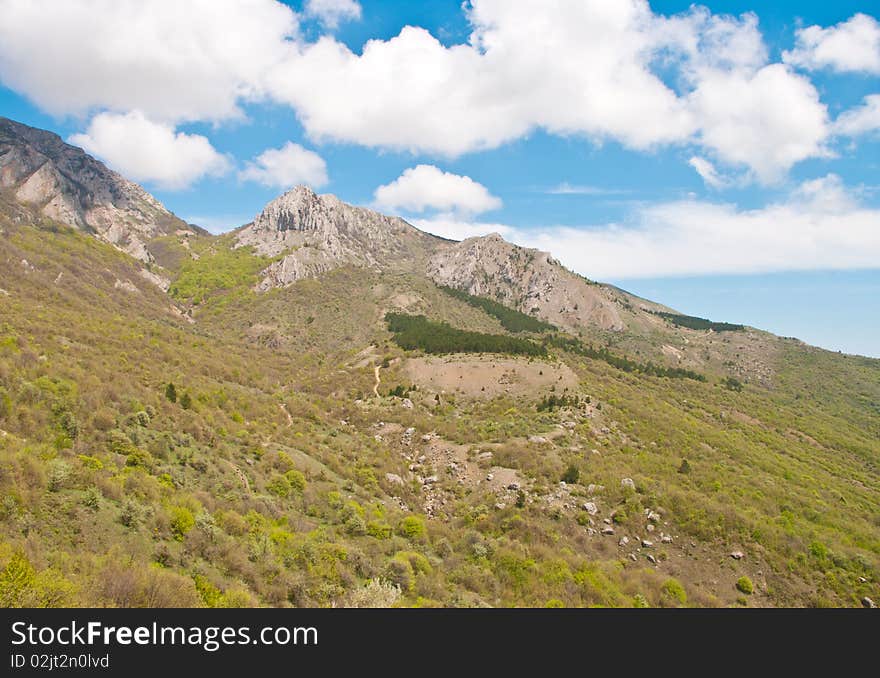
x=275, y=445
x=66, y=184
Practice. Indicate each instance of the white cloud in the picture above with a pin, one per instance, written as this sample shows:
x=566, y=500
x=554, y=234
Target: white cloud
x=566, y=188
x=332, y=12
x=852, y=45
x=286, y=167
x=583, y=68
x=707, y=172
x=860, y=120
x=821, y=225
x=427, y=187
x=146, y=151
x=766, y=120
x=181, y=60
x=587, y=69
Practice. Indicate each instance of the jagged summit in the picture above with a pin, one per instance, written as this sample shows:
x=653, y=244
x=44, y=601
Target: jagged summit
x=317, y=233
x=64, y=183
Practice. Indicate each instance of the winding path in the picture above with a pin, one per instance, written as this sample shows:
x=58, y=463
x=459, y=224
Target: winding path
x=378, y=380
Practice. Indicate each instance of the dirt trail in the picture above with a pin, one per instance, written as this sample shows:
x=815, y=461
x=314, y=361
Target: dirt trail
x=287, y=414
x=378, y=380
x=241, y=477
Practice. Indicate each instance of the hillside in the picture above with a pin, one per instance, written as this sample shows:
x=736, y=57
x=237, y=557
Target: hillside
x=263, y=433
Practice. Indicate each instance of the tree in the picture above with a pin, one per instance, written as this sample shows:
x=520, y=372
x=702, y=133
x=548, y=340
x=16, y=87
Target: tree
x=185, y=401
x=171, y=392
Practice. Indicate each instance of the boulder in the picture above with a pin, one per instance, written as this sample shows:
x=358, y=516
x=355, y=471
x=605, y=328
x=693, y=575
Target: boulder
x=628, y=483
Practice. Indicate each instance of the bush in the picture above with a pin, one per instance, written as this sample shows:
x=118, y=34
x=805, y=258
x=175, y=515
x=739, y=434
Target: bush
x=171, y=392
x=672, y=593
x=744, y=585
x=411, y=527
x=571, y=474
x=182, y=521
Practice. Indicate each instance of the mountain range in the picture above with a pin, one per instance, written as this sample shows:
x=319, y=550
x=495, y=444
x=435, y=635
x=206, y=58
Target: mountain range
x=328, y=406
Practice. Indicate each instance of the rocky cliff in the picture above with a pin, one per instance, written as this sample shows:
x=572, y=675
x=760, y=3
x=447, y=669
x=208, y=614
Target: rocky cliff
x=64, y=183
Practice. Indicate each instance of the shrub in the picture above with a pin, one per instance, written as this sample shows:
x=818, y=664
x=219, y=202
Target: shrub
x=672, y=593
x=411, y=527
x=171, y=392
x=571, y=474
x=182, y=521
x=744, y=585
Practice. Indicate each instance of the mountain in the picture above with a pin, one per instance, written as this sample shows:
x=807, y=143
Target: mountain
x=390, y=418
x=314, y=234
x=69, y=186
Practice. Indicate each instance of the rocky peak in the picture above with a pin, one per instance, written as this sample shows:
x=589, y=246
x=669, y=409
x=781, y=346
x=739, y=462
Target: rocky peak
x=316, y=233
x=64, y=183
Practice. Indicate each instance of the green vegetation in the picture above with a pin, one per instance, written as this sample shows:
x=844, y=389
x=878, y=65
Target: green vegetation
x=694, y=323
x=511, y=320
x=621, y=363
x=286, y=482
x=413, y=332
x=219, y=268
x=744, y=585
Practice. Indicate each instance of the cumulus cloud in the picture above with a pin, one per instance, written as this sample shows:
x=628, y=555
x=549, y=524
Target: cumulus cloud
x=852, y=45
x=766, y=120
x=860, y=120
x=525, y=67
x=427, y=187
x=147, y=151
x=820, y=225
x=181, y=60
x=590, y=69
x=285, y=167
x=332, y=12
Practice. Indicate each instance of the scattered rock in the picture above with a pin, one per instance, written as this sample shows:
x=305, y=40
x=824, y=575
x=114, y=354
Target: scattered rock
x=651, y=559
x=593, y=489
x=666, y=539
x=4, y=292
x=406, y=404
x=394, y=479
x=608, y=530
x=126, y=286
x=590, y=508
x=623, y=541
x=737, y=555
x=490, y=477
x=653, y=516
x=513, y=486
x=500, y=506
x=649, y=528
x=629, y=483
x=867, y=602
x=430, y=480
x=647, y=544
x=632, y=557
x=538, y=440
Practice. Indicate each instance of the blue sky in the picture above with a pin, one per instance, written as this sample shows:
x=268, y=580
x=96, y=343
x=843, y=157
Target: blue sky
x=721, y=159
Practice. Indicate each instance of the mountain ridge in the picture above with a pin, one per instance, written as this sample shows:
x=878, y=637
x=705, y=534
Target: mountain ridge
x=65, y=183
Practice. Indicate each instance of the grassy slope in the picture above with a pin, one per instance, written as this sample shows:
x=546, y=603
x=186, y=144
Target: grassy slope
x=113, y=495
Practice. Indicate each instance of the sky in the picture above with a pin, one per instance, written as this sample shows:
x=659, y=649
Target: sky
x=720, y=158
